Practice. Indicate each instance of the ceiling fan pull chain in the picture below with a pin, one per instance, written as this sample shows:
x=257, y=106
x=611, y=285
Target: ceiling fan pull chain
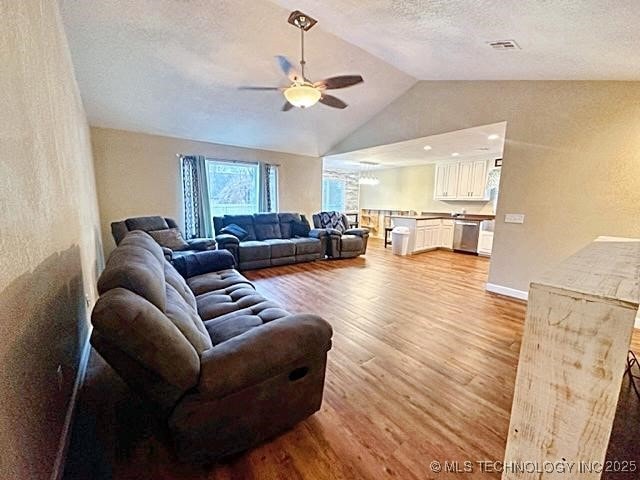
x=302, y=62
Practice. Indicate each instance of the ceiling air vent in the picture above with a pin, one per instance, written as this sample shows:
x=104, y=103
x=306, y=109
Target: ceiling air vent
x=504, y=45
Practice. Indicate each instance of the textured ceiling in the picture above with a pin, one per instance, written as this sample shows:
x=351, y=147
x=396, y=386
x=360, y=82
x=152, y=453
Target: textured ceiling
x=470, y=143
x=172, y=67
x=446, y=39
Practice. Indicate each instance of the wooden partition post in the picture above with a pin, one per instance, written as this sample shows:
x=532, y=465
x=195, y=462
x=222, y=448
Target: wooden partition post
x=579, y=322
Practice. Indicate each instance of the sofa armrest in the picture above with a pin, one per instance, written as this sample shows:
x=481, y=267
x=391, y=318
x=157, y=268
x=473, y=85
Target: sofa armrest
x=168, y=253
x=317, y=233
x=199, y=263
x=262, y=353
x=360, y=232
x=202, y=244
x=333, y=232
x=226, y=239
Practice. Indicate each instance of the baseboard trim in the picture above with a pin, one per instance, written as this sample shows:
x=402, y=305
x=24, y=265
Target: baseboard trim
x=509, y=292
x=63, y=446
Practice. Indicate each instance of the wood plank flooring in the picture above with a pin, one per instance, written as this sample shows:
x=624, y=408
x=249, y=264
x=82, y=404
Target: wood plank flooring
x=422, y=368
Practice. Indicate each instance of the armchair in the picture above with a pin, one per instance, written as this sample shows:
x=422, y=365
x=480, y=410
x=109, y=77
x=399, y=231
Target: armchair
x=157, y=224
x=342, y=242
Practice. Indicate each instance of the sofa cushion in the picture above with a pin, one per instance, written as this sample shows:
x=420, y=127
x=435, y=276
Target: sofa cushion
x=350, y=243
x=216, y=304
x=281, y=247
x=216, y=281
x=146, y=223
x=177, y=281
x=244, y=221
x=286, y=220
x=300, y=229
x=193, y=263
x=306, y=245
x=186, y=318
x=170, y=238
x=267, y=226
x=252, y=305
x=223, y=330
x=235, y=230
x=142, y=335
x=253, y=250
x=138, y=266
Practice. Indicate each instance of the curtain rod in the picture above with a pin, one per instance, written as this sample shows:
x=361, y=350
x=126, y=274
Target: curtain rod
x=180, y=155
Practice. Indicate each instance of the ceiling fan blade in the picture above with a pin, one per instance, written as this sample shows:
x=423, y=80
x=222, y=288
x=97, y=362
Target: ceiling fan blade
x=332, y=101
x=259, y=88
x=288, y=69
x=341, y=81
x=286, y=107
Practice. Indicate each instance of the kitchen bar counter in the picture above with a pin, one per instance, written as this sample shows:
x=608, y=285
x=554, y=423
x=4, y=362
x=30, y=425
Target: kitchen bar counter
x=446, y=216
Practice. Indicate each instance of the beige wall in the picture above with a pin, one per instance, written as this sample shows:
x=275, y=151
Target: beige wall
x=139, y=174
x=411, y=188
x=50, y=249
x=571, y=160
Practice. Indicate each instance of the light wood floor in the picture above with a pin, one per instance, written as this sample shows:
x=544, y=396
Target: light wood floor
x=422, y=368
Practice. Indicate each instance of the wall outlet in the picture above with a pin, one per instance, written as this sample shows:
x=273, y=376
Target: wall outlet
x=514, y=218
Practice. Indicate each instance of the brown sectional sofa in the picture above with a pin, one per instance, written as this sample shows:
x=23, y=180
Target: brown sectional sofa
x=225, y=367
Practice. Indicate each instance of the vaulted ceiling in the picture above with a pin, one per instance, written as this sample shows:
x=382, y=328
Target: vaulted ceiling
x=172, y=67
x=449, y=39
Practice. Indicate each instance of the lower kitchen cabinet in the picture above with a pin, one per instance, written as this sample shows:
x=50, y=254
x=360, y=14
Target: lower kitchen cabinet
x=427, y=234
x=446, y=234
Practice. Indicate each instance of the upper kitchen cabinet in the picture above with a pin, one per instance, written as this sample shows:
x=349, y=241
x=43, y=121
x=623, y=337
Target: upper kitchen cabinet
x=461, y=181
x=446, y=187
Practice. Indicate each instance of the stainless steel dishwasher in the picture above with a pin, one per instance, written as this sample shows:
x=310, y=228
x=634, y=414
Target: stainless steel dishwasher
x=465, y=236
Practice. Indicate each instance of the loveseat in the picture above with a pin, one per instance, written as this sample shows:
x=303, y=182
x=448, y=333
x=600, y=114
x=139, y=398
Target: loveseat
x=342, y=241
x=269, y=239
x=223, y=366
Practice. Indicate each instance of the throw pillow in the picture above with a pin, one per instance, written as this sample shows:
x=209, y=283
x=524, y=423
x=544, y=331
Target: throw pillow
x=169, y=238
x=300, y=229
x=235, y=230
x=332, y=220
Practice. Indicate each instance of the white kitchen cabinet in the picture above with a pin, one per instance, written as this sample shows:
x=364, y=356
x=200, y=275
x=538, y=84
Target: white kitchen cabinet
x=420, y=240
x=461, y=181
x=479, y=180
x=440, y=190
x=446, y=183
x=446, y=234
x=465, y=177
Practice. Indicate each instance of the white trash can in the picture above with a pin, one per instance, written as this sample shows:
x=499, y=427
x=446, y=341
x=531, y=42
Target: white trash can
x=400, y=240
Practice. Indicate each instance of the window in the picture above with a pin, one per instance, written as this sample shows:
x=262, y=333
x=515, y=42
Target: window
x=234, y=188
x=333, y=195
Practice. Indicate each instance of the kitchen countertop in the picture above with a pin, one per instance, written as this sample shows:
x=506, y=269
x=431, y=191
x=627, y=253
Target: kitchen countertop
x=446, y=216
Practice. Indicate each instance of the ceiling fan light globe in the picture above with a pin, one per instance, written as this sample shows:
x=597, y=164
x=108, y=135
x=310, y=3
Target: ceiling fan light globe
x=302, y=96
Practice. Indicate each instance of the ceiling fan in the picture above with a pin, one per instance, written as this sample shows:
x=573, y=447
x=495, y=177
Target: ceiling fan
x=303, y=93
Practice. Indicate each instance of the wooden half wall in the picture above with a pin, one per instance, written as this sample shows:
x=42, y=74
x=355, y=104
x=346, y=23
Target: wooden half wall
x=579, y=323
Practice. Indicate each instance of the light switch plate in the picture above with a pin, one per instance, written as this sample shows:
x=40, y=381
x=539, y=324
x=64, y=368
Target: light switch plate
x=514, y=218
